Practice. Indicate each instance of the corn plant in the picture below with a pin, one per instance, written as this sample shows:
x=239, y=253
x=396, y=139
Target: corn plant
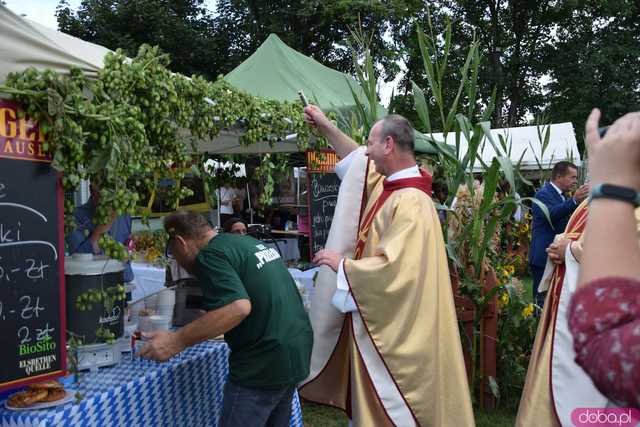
x=470, y=249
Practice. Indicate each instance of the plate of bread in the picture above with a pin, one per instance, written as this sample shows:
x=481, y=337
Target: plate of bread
x=39, y=396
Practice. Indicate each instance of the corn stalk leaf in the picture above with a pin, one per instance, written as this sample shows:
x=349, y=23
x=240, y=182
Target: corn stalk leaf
x=422, y=108
x=463, y=80
x=542, y=207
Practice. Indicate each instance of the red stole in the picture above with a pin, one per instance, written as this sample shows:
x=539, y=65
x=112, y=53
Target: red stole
x=422, y=183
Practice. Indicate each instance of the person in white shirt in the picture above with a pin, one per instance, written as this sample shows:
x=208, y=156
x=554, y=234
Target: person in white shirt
x=226, y=196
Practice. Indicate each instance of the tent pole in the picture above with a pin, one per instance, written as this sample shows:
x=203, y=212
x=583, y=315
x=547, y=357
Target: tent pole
x=249, y=200
x=218, y=199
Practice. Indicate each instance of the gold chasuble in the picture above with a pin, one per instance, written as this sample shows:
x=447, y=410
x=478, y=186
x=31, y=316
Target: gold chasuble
x=398, y=358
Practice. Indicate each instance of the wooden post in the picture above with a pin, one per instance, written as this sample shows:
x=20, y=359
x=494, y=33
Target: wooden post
x=465, y=310
x=488, y=344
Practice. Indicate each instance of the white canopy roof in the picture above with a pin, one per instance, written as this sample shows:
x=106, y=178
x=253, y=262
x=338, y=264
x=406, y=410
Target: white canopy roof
x=528, y=140
x=24, y=44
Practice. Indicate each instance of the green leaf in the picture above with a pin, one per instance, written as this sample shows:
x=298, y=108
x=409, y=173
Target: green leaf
x=507, y=169
x=55, y=103
x=472, y=84
x=99, y=161
x=421, y=106
x=493, y=291
x=428, y=67
x=493, y=385
x=58, y=161
x=488, y=111
x=465, y=125
x=490, y=185
x=542, y=207
x=463, y=79
x=451, y=253
x=486, y=129
x=509, y=206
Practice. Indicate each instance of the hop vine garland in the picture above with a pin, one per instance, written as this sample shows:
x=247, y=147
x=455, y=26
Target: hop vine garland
x=138, y=122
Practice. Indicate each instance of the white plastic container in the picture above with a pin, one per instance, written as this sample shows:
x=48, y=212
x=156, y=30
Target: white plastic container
x=144, y=324
x=151, y=302
x=134, y=311
x=165, y=310
x=160, y=322
x=167, y=297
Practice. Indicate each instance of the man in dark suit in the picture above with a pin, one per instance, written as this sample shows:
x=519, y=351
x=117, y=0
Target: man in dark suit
x=564, y=177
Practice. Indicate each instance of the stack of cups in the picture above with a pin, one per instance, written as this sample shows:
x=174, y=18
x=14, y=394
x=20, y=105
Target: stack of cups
x=134, y=311
x=144, y=321
x=160, y=322
x=166, y=302
x=151, y=302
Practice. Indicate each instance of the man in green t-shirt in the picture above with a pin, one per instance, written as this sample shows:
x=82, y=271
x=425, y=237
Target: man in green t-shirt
x=252, y=299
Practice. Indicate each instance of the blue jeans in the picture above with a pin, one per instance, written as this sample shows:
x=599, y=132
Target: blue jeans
x=244, y=407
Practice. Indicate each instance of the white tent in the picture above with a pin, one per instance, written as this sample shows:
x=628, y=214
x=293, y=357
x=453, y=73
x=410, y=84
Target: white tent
x=527, y=140
x=24, y=43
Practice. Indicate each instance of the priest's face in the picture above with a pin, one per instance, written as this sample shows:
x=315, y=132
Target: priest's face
x=377, y=148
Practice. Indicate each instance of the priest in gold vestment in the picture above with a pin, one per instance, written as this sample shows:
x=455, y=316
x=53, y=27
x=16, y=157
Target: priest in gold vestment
x=386, y=344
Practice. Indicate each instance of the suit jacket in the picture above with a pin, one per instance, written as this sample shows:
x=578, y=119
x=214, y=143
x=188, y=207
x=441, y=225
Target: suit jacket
x=542, y=233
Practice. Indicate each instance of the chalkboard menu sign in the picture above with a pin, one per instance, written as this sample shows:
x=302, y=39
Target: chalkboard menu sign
x=323, y=196
x=31, y=255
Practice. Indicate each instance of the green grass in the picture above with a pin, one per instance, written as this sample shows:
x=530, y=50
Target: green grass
x=323, y=416
x=498, y=418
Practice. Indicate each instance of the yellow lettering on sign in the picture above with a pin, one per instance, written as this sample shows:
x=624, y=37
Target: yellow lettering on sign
x=26, y=130
x=20, y=147
x=31, y=149
x=7, y=147
x=7, y=122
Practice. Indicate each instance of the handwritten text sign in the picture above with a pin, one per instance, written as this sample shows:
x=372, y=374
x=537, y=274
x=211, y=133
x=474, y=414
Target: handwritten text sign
x=323, y=196
x=31, y=257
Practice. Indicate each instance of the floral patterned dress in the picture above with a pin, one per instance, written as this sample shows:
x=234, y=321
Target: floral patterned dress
x=604, y=319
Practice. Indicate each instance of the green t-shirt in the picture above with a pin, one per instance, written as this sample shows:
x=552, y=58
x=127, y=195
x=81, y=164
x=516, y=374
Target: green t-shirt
x=272, y=346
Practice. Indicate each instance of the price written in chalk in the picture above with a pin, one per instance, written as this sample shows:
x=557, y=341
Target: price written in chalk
x=28, y=308
x=31, y=276
x=31, y=269
x=323, y=200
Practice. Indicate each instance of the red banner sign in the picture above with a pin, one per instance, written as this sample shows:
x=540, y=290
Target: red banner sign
x=20, y=138
x=321, y=161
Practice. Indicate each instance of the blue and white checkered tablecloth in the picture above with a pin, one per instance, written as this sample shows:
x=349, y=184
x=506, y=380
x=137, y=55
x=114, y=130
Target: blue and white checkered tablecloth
x=184, y=391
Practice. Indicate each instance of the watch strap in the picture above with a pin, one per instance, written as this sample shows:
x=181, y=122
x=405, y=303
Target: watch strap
x=616, y=192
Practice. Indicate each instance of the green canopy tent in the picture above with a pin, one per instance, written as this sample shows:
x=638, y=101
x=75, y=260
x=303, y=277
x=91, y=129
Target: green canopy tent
x=277, y=72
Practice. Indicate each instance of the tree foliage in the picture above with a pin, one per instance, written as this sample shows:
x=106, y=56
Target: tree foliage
x=595, y=62
x=559, y=57
x=185, y=29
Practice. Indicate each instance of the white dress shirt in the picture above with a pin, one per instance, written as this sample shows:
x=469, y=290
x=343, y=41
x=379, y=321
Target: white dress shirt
x=558, y=190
